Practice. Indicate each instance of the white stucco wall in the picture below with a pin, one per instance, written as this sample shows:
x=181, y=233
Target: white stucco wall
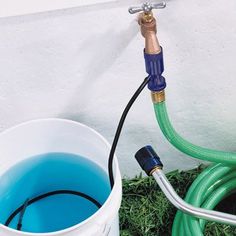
x=85, y=63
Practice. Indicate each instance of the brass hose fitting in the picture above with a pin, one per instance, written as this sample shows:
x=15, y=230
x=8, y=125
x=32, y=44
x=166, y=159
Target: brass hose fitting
x=158, y=96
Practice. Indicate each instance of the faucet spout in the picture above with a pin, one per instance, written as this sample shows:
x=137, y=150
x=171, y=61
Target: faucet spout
x=148, y=29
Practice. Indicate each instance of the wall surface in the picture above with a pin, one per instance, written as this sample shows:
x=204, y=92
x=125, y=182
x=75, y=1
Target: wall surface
x=23, y=7
x=85, y=63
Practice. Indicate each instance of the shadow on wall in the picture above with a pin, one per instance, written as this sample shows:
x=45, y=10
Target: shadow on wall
x=100, y=56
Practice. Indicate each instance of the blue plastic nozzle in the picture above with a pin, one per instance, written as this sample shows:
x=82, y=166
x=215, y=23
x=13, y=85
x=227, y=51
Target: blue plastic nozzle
x=155, y=67
x=148, y=159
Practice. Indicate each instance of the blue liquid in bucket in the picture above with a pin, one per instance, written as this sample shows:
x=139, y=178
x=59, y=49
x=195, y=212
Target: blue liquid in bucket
x=49, y=172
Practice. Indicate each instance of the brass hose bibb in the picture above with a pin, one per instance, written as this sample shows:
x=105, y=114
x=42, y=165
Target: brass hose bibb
x=148, y=25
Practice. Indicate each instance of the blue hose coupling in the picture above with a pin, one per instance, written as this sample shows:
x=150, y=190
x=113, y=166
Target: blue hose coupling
x=148, y=159
x=155, y=67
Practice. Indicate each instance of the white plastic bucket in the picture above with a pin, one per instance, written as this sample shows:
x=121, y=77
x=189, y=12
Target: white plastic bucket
x=59, y=135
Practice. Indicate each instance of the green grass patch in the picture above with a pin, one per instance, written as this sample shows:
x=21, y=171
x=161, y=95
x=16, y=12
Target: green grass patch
x=146, y=211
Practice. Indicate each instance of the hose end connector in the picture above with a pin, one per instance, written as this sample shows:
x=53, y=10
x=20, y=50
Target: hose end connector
x=148, y=159
x=155, y=67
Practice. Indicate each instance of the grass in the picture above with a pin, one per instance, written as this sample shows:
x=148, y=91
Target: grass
x=145, y=211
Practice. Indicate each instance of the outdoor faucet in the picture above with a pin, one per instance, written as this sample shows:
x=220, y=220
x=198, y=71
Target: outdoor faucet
x=148, y=26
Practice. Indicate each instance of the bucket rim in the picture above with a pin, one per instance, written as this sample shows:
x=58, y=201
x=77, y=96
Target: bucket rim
x=117, y=185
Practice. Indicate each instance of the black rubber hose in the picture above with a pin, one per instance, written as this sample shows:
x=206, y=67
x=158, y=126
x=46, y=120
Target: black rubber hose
x=119, y=128
x=45, y=195
x=22, y=213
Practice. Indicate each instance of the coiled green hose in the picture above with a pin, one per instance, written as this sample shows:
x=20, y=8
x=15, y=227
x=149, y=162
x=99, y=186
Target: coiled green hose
x=212, y=185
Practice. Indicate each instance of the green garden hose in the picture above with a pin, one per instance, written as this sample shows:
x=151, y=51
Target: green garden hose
x=212, y=185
